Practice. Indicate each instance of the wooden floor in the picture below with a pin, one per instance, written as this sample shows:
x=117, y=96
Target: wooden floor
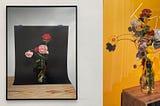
x=47, y=91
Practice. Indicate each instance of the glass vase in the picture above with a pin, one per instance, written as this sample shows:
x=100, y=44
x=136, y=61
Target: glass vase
x=147, y=78
x=41, y=76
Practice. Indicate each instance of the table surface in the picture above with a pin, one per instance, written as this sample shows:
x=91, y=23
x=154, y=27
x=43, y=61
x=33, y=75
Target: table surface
x=135, y=94
x=47, y=91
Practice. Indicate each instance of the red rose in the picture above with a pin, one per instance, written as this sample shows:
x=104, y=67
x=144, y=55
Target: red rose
x=46, y=36
x=36, y=49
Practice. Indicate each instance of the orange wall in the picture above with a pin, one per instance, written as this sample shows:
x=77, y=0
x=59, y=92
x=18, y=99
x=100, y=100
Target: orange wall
x=118, y=72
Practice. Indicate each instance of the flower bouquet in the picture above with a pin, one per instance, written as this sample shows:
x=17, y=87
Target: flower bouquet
x=147, y=42
x=40, y=62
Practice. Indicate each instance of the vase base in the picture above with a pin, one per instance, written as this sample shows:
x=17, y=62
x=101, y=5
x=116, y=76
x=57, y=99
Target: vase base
x=147, y=91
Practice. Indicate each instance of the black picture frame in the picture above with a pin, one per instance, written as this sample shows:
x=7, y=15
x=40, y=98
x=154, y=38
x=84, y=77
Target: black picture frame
x=76, y=97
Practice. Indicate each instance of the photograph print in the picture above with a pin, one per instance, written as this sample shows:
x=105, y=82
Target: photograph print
x=41, y=52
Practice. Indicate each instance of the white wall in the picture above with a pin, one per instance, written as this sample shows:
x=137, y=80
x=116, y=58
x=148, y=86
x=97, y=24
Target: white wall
x=90, y=52
x=44, y=16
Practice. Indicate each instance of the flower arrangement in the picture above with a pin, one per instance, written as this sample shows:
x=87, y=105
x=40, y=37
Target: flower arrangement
x=41, y=52
x=147, y=42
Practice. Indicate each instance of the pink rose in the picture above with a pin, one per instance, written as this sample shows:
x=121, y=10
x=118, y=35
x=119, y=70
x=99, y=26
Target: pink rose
x=28, y=54
x=43, y=49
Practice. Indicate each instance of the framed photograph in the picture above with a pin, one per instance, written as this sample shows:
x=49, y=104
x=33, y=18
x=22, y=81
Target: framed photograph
x=131, y=53
x=41, y=59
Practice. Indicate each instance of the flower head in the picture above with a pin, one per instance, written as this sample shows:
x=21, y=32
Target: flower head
x=46, y=36
x=157, y=34
x=29, y=54
x=146, y=13
x=151, y=33
x=43, y=49
x=110, y=47
x=114, y=39
x=134, y=23
x=36, y=49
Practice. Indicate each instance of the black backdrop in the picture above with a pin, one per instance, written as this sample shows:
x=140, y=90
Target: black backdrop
x=28, y=37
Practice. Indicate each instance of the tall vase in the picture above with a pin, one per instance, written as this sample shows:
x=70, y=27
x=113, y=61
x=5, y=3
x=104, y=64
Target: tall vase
x=41, y=78
x=147, y=78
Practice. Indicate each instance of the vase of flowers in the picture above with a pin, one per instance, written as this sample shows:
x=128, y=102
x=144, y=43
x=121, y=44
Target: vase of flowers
x=147, y=77
x=41, y=56
x=147, y=42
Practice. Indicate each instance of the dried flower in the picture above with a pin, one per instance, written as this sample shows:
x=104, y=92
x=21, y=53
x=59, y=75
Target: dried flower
x=157, y=34
x=110, y=47
x=134, y=66
x=130, y=29
x=151, y=33
x=114, y=39
x=134, y=23
x=146, y=13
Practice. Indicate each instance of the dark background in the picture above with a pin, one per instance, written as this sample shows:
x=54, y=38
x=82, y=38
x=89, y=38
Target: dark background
x=28, y=37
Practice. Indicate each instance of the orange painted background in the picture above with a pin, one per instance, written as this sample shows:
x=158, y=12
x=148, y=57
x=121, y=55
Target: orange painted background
x=118, y=72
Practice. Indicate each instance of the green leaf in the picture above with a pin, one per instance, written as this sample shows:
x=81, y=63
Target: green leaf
x=37, y=60
x=41, y=56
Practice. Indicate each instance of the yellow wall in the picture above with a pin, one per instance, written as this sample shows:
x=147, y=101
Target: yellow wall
x=118, y=65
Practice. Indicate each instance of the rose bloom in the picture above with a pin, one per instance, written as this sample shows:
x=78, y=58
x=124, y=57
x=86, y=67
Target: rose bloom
x=46, y=36
x=43, y=49
x=36, y=49
x=28, y=54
